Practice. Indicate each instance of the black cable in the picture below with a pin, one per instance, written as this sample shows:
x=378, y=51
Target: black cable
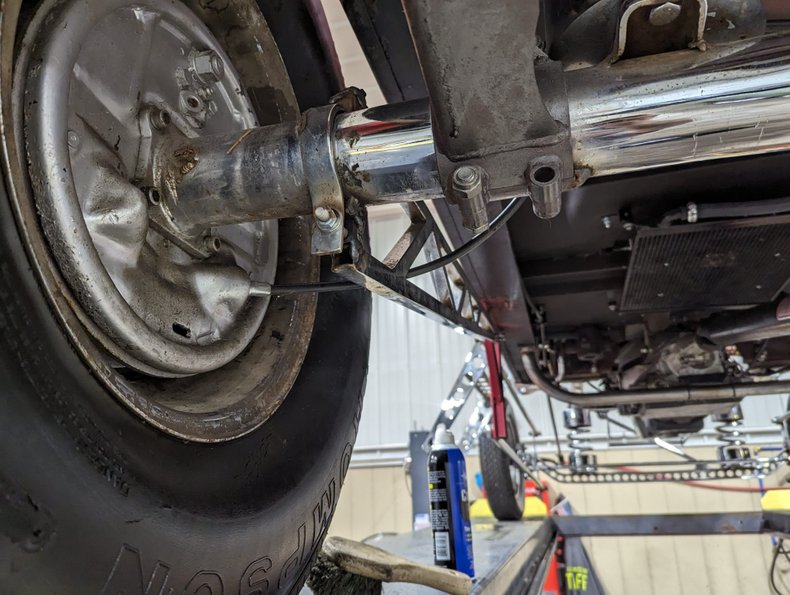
x=498, y=222
x=753, y=208
x=315, y=288
x=778, y=549
x=475, y=242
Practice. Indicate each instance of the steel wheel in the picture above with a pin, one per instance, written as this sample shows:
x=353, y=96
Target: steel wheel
x=103, y=89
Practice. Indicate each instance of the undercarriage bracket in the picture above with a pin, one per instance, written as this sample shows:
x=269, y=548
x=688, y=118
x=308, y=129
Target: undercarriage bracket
x=454, y=306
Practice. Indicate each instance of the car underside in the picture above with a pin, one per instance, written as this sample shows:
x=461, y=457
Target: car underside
x=597, y=188
x=661, y=273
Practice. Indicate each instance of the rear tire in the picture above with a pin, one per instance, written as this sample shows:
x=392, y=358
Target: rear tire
x=503, y=481
x=92, y=500
x=95, y=500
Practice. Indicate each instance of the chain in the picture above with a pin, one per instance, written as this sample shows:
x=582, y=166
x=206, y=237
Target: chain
x=729, y=470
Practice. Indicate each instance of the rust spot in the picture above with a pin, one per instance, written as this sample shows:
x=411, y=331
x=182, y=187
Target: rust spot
x=185, y=152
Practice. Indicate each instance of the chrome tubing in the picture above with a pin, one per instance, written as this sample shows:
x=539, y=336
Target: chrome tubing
x=678, y=108
x=386, y=154
x=680, y=396
x=682, y=108
x=382, y=154
x=254, y=175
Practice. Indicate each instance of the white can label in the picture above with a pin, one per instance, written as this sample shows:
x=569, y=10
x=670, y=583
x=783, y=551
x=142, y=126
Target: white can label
x=441, y=541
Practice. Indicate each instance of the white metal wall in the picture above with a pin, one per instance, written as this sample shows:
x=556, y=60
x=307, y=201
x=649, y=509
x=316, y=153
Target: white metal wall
x=413, y=361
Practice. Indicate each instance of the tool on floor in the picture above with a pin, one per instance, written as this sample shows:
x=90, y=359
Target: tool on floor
x=369, y=566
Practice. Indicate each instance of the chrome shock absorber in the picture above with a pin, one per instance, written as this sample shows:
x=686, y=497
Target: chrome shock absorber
x=730, y=434
x=577, y=422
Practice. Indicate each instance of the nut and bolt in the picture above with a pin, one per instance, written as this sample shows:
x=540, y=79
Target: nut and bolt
x=192, y=103
x=154, y=196
x=212, y=244
x=160, y=119
x=208, y=66
x=470, y=193
x=665, y=14
x=466, y=177
x=73, y=139
x=607, y=222
x=628, y=226
x=326, y=219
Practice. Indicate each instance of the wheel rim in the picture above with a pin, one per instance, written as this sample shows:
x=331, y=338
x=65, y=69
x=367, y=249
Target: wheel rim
x=240, y=396
x=158, y=293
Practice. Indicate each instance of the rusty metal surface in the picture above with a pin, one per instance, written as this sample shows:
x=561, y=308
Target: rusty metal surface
x=641, y=33
x=479, y=62
x=458, y=309
x=591, y=37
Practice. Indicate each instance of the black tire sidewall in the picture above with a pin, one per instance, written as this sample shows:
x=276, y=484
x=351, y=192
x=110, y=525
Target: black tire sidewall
x=103, y=487
x=495, y=468
x=93, y=500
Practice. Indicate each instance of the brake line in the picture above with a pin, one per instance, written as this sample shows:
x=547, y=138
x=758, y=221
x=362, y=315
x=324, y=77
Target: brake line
x=264, y=289
x=497, y=224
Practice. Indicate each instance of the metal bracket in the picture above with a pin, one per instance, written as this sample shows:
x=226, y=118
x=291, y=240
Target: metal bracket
x=719, y=523
x=326, y=193
x=454, y=307
x=498, y=409
x=650, y=27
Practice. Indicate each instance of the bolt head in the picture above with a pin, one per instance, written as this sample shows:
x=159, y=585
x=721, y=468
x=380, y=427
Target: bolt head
x=208, y=66
x=664, y=14
x=73, y=139
x=466, y=176
x=326, y=219
x=607, y=222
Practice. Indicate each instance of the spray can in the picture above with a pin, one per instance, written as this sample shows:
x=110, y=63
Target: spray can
x=449, y=504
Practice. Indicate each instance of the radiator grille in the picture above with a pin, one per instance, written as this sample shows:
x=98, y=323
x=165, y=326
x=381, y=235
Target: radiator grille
x=701, y=266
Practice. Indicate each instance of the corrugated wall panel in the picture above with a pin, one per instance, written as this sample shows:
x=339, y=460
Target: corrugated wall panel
x=413, y=361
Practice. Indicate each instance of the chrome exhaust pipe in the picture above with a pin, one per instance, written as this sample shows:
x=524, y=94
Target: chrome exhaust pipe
x=682, y=108
x=678, y=396
x=674, y=109
x=679, y=108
